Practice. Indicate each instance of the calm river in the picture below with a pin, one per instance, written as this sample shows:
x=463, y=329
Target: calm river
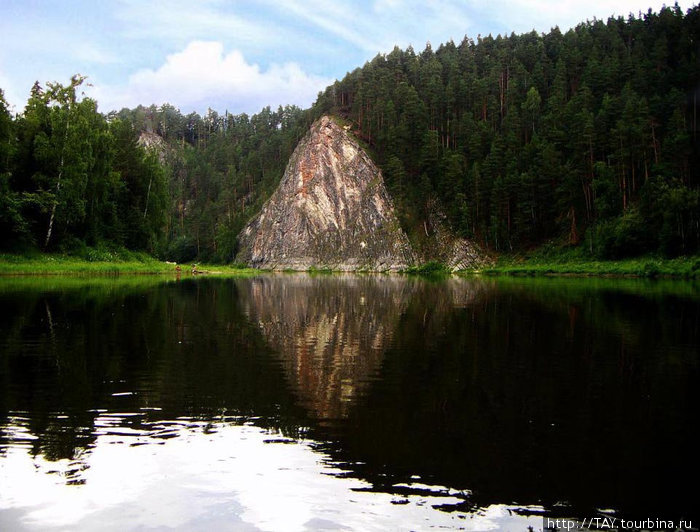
x=297, y=402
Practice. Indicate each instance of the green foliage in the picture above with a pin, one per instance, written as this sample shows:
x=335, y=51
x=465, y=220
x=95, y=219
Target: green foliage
x=92, y=262
x=575, y=264
x=588, y=138
x=71, y=178
x=624, y=236
x=532, y=137
x=430, y=268
x=680, y=214
x=182, y=250
x=12, y=224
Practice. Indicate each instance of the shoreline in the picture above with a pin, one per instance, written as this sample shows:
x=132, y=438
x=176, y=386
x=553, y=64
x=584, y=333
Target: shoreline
x=49, y=265
x=683, y=268
x=642, y=267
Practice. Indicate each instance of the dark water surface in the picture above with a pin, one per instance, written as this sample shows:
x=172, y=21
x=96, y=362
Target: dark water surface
x=297, y=402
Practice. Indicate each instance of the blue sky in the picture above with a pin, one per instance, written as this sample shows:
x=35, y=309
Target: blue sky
x=242, y=55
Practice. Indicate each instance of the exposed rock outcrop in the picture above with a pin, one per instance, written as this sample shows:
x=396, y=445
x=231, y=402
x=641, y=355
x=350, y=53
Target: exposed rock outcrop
x=156, y=144
x=454, y=252
x=331, y=210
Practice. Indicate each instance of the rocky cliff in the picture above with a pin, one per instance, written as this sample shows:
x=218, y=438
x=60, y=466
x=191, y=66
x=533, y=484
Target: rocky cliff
x=331, y=210
x=444, y=246
x=155, y=143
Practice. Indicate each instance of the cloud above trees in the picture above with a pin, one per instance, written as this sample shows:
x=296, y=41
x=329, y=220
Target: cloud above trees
x=243, y=56
x=205, y=75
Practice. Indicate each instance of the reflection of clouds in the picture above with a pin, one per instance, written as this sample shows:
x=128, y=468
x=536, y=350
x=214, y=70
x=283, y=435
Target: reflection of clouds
x=220, y=477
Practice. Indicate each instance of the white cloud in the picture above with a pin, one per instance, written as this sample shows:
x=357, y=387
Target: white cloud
x=202, y=76
x=380, y=26
x=90, y=54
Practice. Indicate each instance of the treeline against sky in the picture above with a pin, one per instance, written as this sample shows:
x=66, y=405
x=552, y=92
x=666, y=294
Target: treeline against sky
x=586, y=138
x=70, y=177
x=589, y=136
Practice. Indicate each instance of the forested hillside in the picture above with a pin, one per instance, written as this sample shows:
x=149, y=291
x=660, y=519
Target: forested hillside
x=70, y=177
x=586, y=138
x=590, y=136
x=148, y=179
x=221, y=169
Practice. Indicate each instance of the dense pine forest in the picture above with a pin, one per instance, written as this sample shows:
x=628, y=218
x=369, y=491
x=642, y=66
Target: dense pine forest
x=587, y=139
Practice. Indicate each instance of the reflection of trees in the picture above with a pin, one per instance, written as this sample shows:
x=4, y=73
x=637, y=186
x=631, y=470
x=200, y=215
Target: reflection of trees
x=188, y=350
x=67, y=354
x=518, y=397
x=493, y=386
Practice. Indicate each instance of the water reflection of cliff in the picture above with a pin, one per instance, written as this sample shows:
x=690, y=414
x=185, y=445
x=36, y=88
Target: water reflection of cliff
x=331, y=332
x=494, y=387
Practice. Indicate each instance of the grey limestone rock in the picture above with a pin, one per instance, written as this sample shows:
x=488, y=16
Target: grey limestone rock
x=331, y=210
x=454, y=252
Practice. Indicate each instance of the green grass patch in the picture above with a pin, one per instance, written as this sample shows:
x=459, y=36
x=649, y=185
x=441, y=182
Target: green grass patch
x=113, y=263
x=567, y=264
x=432, y=268
x=55, y=264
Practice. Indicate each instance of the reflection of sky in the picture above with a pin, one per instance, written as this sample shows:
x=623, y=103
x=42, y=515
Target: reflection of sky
x=221, y=478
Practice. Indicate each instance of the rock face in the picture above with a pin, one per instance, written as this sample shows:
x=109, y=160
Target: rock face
x=155, y=143
x=454, y=252
x=331, y=210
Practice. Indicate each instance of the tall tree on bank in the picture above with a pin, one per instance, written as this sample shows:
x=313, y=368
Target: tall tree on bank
x=66, y=179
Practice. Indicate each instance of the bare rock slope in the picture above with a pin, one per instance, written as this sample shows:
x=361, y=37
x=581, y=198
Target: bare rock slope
x=331, y=210
x=446, y=247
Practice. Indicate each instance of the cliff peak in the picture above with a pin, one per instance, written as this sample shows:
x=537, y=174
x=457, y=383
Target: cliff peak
x=330, y=210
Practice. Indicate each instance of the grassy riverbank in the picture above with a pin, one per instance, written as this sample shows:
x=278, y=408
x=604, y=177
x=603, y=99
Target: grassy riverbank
x=539, y=264
x=118, y=264
x=682, y=267
x=56, y=264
